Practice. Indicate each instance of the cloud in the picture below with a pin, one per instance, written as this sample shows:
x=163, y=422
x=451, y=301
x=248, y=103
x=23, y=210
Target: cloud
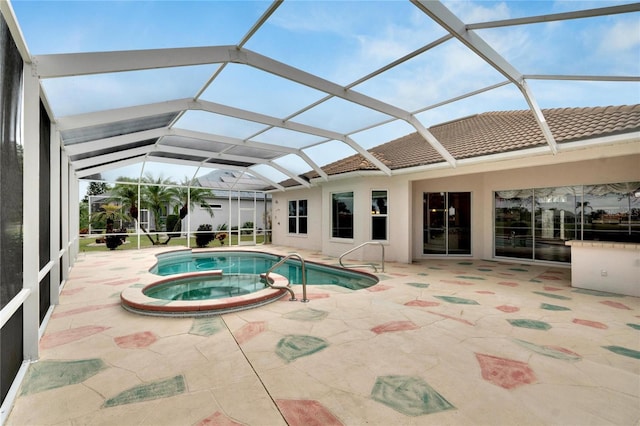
x=443, y=72
x=621, y=36
x=308, y=16
x=437, y=75
x=473, y=12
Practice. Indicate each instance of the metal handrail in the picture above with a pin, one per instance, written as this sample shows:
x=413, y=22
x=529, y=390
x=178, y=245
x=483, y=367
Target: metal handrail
x=360, y=246
x=304, y=277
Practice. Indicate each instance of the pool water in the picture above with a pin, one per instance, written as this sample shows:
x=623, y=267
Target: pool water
x=201, y=288
x=255, y=263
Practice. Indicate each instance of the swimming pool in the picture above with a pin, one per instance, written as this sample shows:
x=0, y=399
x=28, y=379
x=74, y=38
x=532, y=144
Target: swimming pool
x=213, y=283
x=251, y=262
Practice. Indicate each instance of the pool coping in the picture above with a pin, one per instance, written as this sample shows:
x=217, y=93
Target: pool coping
x=133, y=298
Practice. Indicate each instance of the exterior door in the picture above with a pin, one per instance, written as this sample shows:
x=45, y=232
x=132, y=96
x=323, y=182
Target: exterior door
x=447, y=223
x=435, y=220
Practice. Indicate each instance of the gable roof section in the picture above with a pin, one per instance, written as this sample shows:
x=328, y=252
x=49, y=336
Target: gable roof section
x=493, y=133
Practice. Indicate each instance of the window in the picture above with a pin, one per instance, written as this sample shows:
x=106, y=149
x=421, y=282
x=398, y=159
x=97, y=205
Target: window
x=298, y=216
x=342, y=215
x=211, y=206
x=513, y=223
x=379, y=215
x=535, y=223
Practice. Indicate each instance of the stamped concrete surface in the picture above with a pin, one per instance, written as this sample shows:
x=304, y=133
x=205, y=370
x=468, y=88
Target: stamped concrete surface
x=446, y=342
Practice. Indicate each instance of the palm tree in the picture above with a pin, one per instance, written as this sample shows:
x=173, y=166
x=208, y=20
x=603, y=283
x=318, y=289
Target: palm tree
x=127, y=194
x=157, y=195
x=110, y=213
x=187, y=198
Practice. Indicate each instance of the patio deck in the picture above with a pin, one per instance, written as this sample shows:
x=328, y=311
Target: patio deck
x=437, y=342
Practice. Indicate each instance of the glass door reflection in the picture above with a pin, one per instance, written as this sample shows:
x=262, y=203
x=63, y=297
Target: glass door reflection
x=459, y=223
x=435, y=220
x=447, y=223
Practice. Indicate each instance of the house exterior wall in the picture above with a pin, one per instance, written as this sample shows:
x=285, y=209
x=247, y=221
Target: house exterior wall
x=483, y=184
x=315, y=213
x=397, y=246
x=611, y=164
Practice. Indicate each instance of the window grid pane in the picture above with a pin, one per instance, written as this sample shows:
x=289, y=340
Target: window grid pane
x=342, y=215
x=379, y=215
x=302, y=228
x=298, y=216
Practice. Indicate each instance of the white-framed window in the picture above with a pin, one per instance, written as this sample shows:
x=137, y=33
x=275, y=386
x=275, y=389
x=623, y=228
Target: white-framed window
x=297, y=216
x=342, y=215
x=379, y=215
x=211, y=206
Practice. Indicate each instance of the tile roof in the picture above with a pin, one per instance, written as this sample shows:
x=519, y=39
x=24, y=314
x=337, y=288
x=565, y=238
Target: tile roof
x=492, y=133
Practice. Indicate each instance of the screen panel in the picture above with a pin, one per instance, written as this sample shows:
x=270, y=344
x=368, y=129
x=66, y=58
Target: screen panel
x=11, y=168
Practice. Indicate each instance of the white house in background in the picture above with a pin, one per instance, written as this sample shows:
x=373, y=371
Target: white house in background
x=231, y=207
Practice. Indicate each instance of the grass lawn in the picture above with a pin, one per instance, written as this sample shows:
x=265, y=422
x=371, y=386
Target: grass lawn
x=88, y=243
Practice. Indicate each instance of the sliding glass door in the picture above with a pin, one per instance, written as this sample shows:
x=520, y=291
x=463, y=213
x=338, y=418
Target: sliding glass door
x=535, y=223
x=447, y=223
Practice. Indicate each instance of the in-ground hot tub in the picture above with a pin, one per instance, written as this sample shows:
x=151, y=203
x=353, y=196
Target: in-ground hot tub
x=203, y=293
x=217, y=282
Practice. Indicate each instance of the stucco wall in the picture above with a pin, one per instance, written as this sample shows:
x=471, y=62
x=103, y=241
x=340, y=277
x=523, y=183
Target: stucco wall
x=397, y=247
x=589, y=166
x=482, y=185
x=313, y=239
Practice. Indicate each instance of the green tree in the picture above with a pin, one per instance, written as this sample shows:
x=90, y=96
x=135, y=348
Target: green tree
x=156, y=195
x=84, y=215
x=126, y=193
x=96, y=188
x=110, y=213
x=188, y=197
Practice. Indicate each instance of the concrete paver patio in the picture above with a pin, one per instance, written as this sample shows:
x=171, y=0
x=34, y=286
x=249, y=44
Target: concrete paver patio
x=436, y=342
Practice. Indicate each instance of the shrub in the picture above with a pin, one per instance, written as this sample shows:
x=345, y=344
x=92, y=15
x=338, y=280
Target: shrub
x=248, y=227
x=203, y=238
x=113, y=241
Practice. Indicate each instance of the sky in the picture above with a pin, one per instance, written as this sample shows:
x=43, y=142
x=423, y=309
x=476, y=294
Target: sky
x=341, y=41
